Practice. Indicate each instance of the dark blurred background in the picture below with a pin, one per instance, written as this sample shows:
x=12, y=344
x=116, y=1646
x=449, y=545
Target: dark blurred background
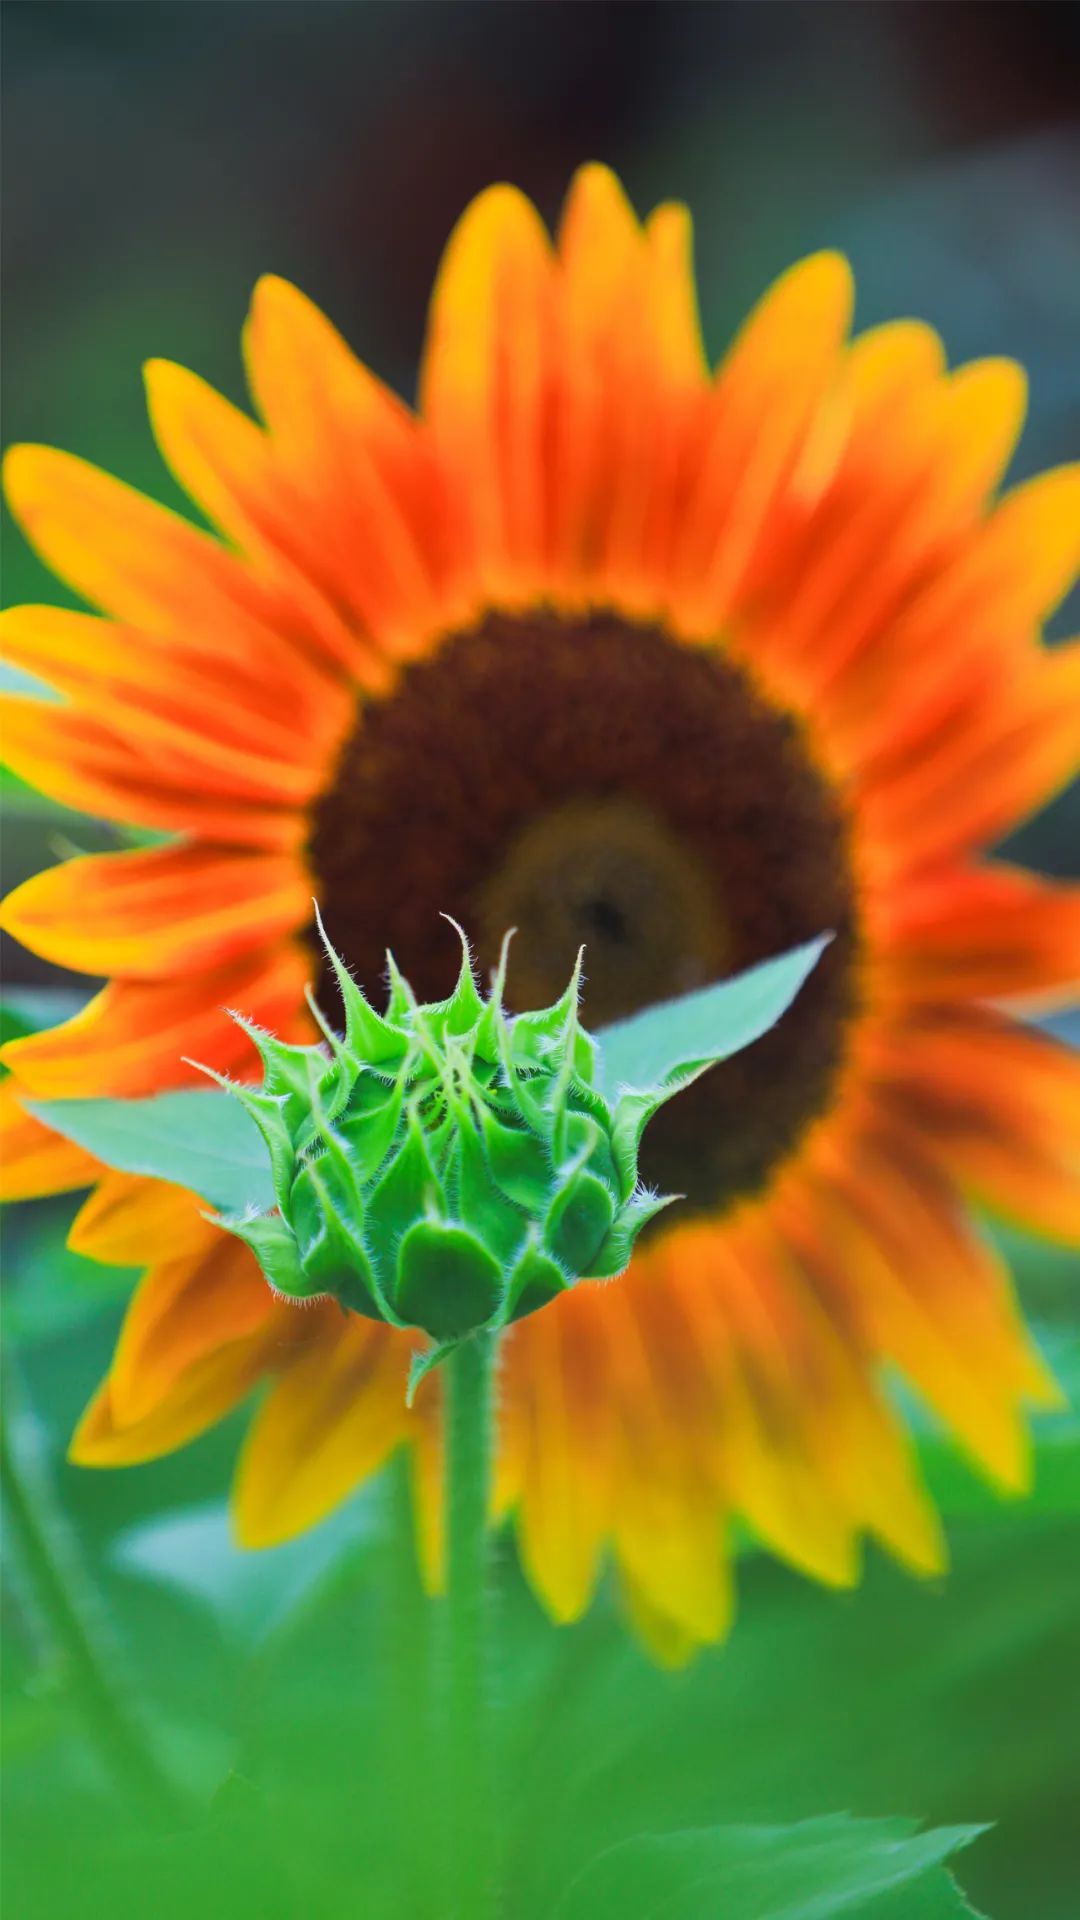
x=161, y=155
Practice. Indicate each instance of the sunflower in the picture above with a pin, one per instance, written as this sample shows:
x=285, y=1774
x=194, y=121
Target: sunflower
x=596, y=643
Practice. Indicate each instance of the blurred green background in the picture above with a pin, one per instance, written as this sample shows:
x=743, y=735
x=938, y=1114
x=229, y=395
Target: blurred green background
x=159, y=157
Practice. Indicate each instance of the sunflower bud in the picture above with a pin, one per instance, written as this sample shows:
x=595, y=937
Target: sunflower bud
x=444, y=1166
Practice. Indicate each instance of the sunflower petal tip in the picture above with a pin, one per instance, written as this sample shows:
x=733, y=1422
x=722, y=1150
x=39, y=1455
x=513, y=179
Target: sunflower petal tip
x=272, y=294
x=20, y=470
x=83, y=1447
x=252, y=1522
x=163, y=380
x=834, y=269
x=457, y=926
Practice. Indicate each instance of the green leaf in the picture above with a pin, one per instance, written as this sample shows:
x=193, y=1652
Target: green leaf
x=685, y=1036
x=810, y=1871
x=196, y=1138
x=14, y=680
x=251, y=1595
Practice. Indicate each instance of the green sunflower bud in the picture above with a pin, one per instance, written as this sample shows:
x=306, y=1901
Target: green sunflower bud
x=444, y=1166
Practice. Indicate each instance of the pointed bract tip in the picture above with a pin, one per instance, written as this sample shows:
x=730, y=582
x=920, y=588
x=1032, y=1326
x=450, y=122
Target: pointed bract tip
x=498, y=978
x=249, y=1026
x=424, y=1361
x=400, y=990
x=462, y=936
x=220, y=1079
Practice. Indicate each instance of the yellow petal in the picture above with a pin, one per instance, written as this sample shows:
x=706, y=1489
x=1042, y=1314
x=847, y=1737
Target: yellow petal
x=333, y=1418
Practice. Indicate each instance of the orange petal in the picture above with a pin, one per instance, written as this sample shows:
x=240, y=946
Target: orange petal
x=147, y=566
x=656, y=443
x=230, y=468
x=935, y=1300
x=766, y=400
x=332, y=1419
x=808, y=1452
x=659, y=1494
x=202, y=1397
x=184, y=741
x=671, y=1549
x=817, y=521
x=669, y=1642
x=626, y=322
x=557, y=1422
x=34, y=1161
x=169, y=690
x=127, y=1221
x=909, y=486
x=132, y=1038
x=674, y=386
x=485, y=381
x=86, y=765
x=147, y=915
x=1019, y=568
x=972, y=618
x=769, y=1351
x=924, y=489
x=999, y=1103
x=1005, y=748
x=846, y=1431
x=980, y=933
x=886, y=366
x=188, y=1306
x=355, y=457
x=600, y=289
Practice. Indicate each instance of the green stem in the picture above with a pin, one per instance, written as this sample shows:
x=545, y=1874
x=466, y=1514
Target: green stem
x=470, y=1374
x=407, y=1737
x=56, y=1584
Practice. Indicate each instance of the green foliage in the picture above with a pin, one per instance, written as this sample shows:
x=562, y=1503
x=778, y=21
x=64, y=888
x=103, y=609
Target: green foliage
x=814, y=1870
x=286, y=1692
x=195, y=1138
x=684, y=1036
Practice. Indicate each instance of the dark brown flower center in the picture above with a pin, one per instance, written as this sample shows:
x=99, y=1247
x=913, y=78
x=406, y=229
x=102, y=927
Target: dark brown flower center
x=600, y=783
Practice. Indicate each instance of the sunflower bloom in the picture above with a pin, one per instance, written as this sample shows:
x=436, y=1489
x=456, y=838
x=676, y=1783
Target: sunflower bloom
x=685, y=666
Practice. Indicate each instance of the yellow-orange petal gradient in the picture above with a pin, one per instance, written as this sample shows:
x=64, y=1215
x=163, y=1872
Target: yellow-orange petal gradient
x=155, y=913
x=35, y=1161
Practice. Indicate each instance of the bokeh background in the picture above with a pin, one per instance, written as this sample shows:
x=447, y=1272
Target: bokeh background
x=159, y=157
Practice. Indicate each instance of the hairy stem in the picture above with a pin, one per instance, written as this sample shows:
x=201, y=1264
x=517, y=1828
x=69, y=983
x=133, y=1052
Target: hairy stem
x=408, y=1737
x=467, y=1655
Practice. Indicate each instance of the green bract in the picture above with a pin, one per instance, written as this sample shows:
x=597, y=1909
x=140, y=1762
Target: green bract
x=445, y=1166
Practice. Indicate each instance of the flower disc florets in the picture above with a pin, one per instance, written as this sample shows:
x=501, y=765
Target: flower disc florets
x=444, y=1166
